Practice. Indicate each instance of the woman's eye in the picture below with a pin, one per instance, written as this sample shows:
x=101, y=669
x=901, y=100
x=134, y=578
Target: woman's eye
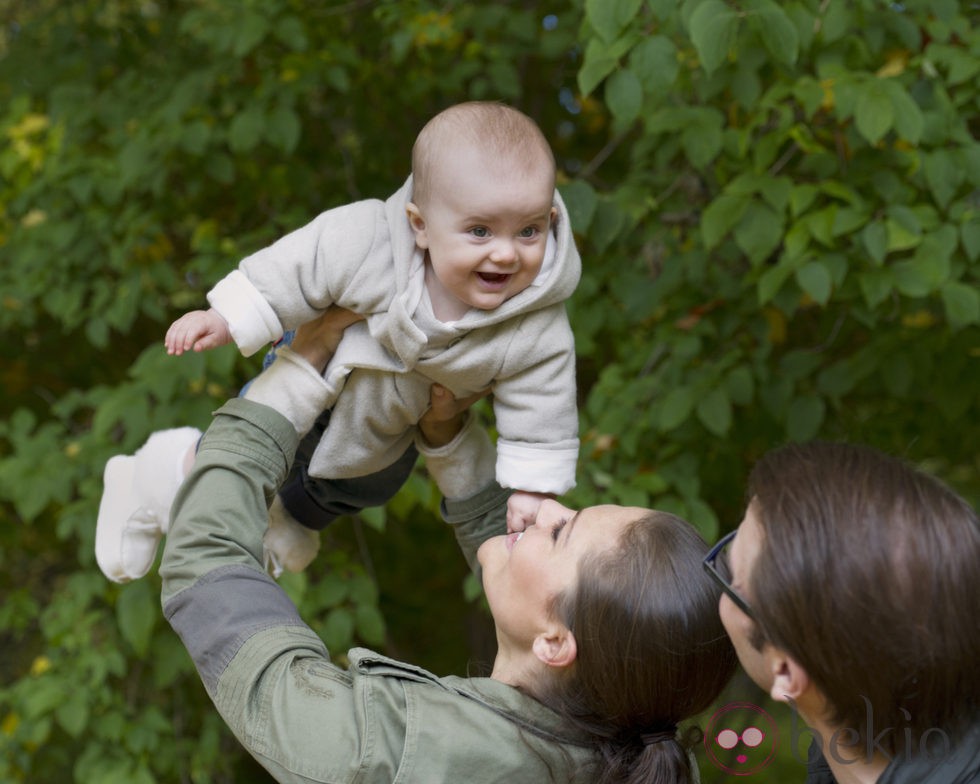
x=480, y=232
x=556, y=530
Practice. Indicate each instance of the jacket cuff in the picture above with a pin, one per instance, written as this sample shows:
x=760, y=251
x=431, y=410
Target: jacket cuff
x=252, y=321
x=538, y=469
x=291, y=386
x=462, y=464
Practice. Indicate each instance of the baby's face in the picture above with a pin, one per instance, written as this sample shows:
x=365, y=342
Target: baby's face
x=484, y=226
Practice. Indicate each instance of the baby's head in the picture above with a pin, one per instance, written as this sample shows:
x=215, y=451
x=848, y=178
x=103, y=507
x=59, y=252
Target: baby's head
x=482, y=205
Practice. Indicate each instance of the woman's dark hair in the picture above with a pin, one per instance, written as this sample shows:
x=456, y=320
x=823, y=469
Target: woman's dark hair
x=868, y=574
x=651, y=651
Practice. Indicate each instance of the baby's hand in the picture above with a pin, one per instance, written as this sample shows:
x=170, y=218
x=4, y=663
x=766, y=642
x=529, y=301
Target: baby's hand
x=198, y=330
x=522, y=509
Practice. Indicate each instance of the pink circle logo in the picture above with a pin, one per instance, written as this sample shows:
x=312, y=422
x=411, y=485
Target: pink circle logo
x=741, y=739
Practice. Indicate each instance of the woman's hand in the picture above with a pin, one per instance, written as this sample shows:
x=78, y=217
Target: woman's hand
x=317, y=340
x=446, y=415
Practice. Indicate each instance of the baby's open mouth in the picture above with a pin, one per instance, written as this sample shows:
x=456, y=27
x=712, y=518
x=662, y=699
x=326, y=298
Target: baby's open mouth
x=493, y=277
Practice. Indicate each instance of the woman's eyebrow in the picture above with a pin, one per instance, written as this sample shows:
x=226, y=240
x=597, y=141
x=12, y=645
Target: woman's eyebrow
x=568, y=528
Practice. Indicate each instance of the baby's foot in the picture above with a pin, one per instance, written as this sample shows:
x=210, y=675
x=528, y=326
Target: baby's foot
x=288, y=544
x=137, y=494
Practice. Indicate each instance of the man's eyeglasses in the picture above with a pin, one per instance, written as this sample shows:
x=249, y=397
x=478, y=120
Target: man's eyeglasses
x=717, y=564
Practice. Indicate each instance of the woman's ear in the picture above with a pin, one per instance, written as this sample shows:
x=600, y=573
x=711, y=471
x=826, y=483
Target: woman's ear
x=417, y=222
x=556, y=648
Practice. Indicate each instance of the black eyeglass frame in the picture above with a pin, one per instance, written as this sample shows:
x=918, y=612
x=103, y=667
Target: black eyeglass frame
x=710, y=566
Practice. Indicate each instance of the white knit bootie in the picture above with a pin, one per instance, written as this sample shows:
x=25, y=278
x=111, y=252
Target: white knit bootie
x=137, y=494
x=288, y=544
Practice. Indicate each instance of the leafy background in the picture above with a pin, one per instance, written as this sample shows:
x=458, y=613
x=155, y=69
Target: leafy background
x=778, y=207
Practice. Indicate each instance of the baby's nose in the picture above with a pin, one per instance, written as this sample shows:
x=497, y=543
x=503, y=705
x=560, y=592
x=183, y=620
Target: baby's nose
x=503, y=251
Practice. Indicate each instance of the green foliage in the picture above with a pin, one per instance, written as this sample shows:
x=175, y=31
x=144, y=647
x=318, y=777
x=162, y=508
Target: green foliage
x=777, y=206
x=780, y=241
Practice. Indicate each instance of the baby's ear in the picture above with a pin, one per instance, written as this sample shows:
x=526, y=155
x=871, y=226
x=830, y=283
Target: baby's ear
x=417, y=222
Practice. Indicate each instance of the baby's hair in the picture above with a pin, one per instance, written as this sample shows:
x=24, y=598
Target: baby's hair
x=500, y=131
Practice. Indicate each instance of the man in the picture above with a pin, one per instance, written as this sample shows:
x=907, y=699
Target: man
x=850, y=592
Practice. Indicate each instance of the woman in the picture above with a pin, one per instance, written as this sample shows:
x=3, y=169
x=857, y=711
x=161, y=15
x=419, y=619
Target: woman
x=607, y=628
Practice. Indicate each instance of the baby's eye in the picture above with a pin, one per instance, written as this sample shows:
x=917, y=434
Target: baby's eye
x=529, y=232
x=480, y=232
x=556, y=530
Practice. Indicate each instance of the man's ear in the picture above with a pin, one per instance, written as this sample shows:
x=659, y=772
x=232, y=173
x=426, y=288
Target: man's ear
x=556, y=647
x=417, y=222
x=789, y=679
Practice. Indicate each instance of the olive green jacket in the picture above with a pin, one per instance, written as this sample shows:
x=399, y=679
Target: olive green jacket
x=302, y=717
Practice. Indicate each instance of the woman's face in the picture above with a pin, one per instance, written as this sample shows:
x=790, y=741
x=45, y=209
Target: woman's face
x=523, y=572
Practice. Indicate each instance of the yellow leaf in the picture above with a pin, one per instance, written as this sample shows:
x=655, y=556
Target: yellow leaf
x=777, y=325
x=40, y=666
x=9, y=724
x=33, y=218
x=828, y=94
x=894, y=65
x=921, y=319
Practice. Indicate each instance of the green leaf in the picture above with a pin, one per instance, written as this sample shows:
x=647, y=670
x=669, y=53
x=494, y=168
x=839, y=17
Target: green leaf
x=874, y=237
x=930, y=267
x=715, y=411
x=720, y=216
x=804, y=418
x=676, y=408
x=801, y=197
x=654, y=61
x=771, y=281
x=609, y=17
x=909, y=122
x=292, y=33
x=624, y=96
x=815, y=280
x=136, y=613
x=282, y=129
x=713, y=28
x=73, y=715
x=917, y=277
x=600, y=60
x=943, y=175
x=970, y=239
x=874, y=114
x=741, y=385
x=251, y=29
x=759, y=232
x=338, y=630
x=370, y=624
x=246, y=129
x=581, y=202
x=962, y=303
x=607, y=225
x=876, y=285
x=774, y=27
x=702, y=138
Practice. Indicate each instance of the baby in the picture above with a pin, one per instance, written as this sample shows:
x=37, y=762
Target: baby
x=460, y=277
